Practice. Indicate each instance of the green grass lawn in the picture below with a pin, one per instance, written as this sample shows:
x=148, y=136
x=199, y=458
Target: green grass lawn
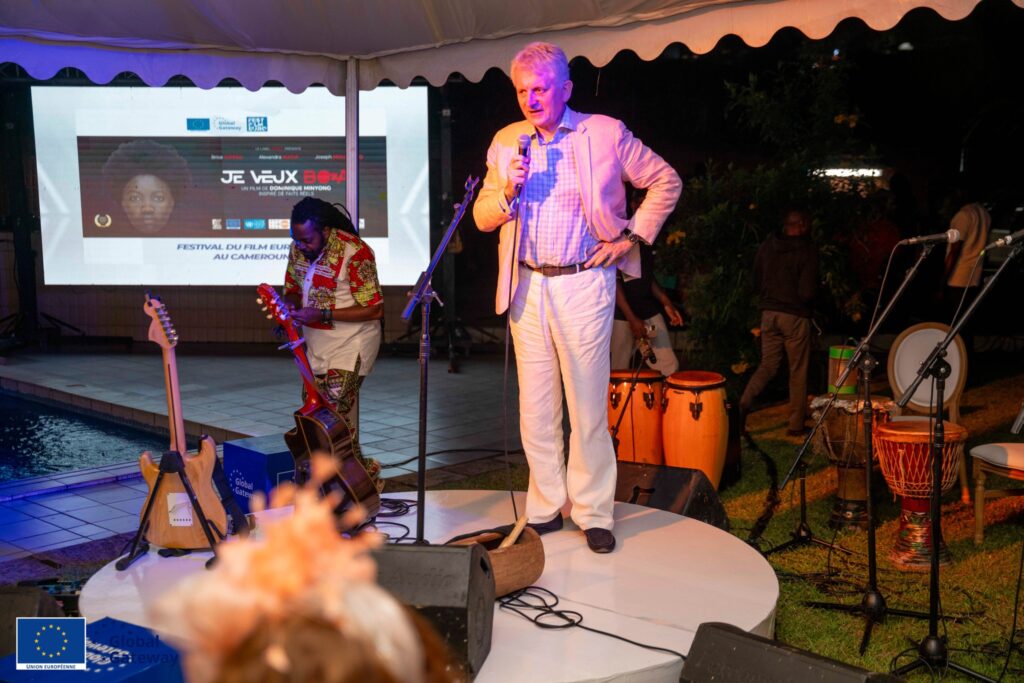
x=978, y=587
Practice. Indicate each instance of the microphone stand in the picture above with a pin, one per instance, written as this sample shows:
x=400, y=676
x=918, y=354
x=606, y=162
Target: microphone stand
x=872, y=605
x=863, y=360
x=625, y=406
x=933, y=650
x=422, y=295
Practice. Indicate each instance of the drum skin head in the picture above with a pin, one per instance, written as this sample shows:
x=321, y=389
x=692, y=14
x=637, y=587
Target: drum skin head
x=910, y=349
x=918, y=431
x=644, y=376
x=695, y=379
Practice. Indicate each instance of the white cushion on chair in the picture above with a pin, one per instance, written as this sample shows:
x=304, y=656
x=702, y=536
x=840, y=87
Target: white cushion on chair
x=1009, y=455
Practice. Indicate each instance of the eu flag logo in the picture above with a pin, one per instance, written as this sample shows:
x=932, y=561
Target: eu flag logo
x=57, y=643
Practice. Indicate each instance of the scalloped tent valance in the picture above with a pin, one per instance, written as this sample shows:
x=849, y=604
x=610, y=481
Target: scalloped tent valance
x=300, y=43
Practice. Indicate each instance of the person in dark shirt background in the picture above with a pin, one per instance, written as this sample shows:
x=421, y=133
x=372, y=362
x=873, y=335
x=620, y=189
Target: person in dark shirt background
x=786, y=281
x=639, y=305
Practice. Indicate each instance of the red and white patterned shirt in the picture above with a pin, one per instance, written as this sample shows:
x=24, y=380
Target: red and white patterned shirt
x=345, y=274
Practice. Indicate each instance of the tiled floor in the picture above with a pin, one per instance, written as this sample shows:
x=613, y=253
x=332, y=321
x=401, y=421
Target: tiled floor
x=228, y=398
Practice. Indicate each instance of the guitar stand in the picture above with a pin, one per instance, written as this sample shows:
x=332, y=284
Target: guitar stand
x=170, y=463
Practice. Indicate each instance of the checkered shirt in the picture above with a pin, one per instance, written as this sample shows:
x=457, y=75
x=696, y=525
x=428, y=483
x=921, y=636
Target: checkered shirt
x=554, y=228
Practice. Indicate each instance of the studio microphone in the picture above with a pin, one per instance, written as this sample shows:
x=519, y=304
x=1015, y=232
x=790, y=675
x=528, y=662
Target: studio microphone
x=950, y=236
x=524, y=151
x=1006, y=241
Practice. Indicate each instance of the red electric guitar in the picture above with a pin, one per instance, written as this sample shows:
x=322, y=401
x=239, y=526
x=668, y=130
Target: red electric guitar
x=318, y=427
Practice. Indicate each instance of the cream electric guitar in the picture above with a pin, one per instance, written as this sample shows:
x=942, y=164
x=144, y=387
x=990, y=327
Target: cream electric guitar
x=172, y=521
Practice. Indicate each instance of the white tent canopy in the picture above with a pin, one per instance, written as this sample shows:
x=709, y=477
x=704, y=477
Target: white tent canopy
x=304, y=42
x=352, y=45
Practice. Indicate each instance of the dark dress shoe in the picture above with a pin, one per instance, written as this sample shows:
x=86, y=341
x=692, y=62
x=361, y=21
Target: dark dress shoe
x=547, y=527
x=600, y=540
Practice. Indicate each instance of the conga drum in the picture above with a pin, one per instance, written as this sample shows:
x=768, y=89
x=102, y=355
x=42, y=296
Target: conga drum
x=904, y=453
x=634, y=405
x=695, y=426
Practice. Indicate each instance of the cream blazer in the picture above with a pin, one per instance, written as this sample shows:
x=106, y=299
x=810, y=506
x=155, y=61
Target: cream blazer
x=607, y=156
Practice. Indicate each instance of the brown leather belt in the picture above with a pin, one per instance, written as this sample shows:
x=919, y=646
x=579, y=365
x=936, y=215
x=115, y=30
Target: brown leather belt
x=555, y=271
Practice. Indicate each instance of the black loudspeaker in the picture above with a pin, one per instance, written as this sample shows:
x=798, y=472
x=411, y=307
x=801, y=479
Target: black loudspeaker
x=676, y=489
x=722, y=652
x=452, y=587
x=22, y=601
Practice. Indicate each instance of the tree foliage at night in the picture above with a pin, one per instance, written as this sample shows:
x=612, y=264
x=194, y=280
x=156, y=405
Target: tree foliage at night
x=802, y=114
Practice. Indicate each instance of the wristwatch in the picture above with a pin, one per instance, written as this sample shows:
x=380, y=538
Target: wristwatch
x=327, y=316
x=632, y=236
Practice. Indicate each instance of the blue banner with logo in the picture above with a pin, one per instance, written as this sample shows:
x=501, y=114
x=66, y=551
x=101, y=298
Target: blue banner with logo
x=111, y=651
x=53, y=643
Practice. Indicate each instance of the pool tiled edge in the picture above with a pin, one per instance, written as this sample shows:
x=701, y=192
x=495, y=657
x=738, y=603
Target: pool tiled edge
x=66, y=481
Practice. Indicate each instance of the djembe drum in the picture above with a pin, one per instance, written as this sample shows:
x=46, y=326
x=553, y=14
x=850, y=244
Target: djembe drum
x=841, y=437
x=904, y=453
x=638, y=438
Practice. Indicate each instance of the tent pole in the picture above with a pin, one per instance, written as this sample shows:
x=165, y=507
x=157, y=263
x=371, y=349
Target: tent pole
x=352, y=139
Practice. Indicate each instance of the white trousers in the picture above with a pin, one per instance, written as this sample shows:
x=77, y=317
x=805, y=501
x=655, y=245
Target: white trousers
x=561, y=327
x=624, y=345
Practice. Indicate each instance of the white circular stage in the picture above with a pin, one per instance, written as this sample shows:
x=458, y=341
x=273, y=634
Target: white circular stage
x=667, y=575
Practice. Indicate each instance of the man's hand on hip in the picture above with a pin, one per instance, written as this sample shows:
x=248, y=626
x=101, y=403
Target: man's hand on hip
x=607, y=253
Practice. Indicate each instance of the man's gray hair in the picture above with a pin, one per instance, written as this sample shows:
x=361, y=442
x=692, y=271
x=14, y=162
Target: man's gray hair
x=539, y=55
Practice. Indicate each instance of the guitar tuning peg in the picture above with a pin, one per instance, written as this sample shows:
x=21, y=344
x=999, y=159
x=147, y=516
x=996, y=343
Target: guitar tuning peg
x=259, y=300
x=270, y=317
x=264, y=308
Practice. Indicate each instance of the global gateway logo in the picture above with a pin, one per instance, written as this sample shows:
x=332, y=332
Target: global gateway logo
x=222, y=123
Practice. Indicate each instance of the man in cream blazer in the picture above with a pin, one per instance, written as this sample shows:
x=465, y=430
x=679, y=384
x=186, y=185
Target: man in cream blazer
x=561, y=208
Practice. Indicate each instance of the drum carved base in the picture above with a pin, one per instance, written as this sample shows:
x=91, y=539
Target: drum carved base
x=913, y=550
x=850, y=509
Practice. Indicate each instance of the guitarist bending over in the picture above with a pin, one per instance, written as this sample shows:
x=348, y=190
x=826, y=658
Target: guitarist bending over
x=331, y=288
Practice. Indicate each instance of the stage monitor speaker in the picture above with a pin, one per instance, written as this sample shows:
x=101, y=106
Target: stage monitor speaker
x=22, y=601
x=722, y=652
x=452, y=587
x=681, y=490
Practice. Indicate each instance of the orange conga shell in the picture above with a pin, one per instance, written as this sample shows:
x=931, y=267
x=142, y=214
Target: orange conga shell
x=639, y=432
x=695, y=426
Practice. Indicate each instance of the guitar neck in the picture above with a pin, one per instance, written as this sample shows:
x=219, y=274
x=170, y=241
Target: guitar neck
x=296, y=344
x=313, y=397
x=175, y=422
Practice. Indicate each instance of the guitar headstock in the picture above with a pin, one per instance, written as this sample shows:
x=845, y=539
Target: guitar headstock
x=161, y=329
x=273, y=305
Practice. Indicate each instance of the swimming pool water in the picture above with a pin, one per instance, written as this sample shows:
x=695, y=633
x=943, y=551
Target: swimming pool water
x=38, y=439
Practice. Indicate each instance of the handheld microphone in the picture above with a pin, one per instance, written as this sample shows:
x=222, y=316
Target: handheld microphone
x=1006, y=241
x=644, y=344
x=950, y=236
x=524, y=151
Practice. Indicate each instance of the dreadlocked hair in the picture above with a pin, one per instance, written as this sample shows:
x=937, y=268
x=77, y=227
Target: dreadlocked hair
x=323, y=215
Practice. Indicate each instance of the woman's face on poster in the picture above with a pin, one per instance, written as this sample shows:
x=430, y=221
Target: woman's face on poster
x=148, y=202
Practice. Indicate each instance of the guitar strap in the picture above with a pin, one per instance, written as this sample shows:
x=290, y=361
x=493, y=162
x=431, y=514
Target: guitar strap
x=227, y=497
